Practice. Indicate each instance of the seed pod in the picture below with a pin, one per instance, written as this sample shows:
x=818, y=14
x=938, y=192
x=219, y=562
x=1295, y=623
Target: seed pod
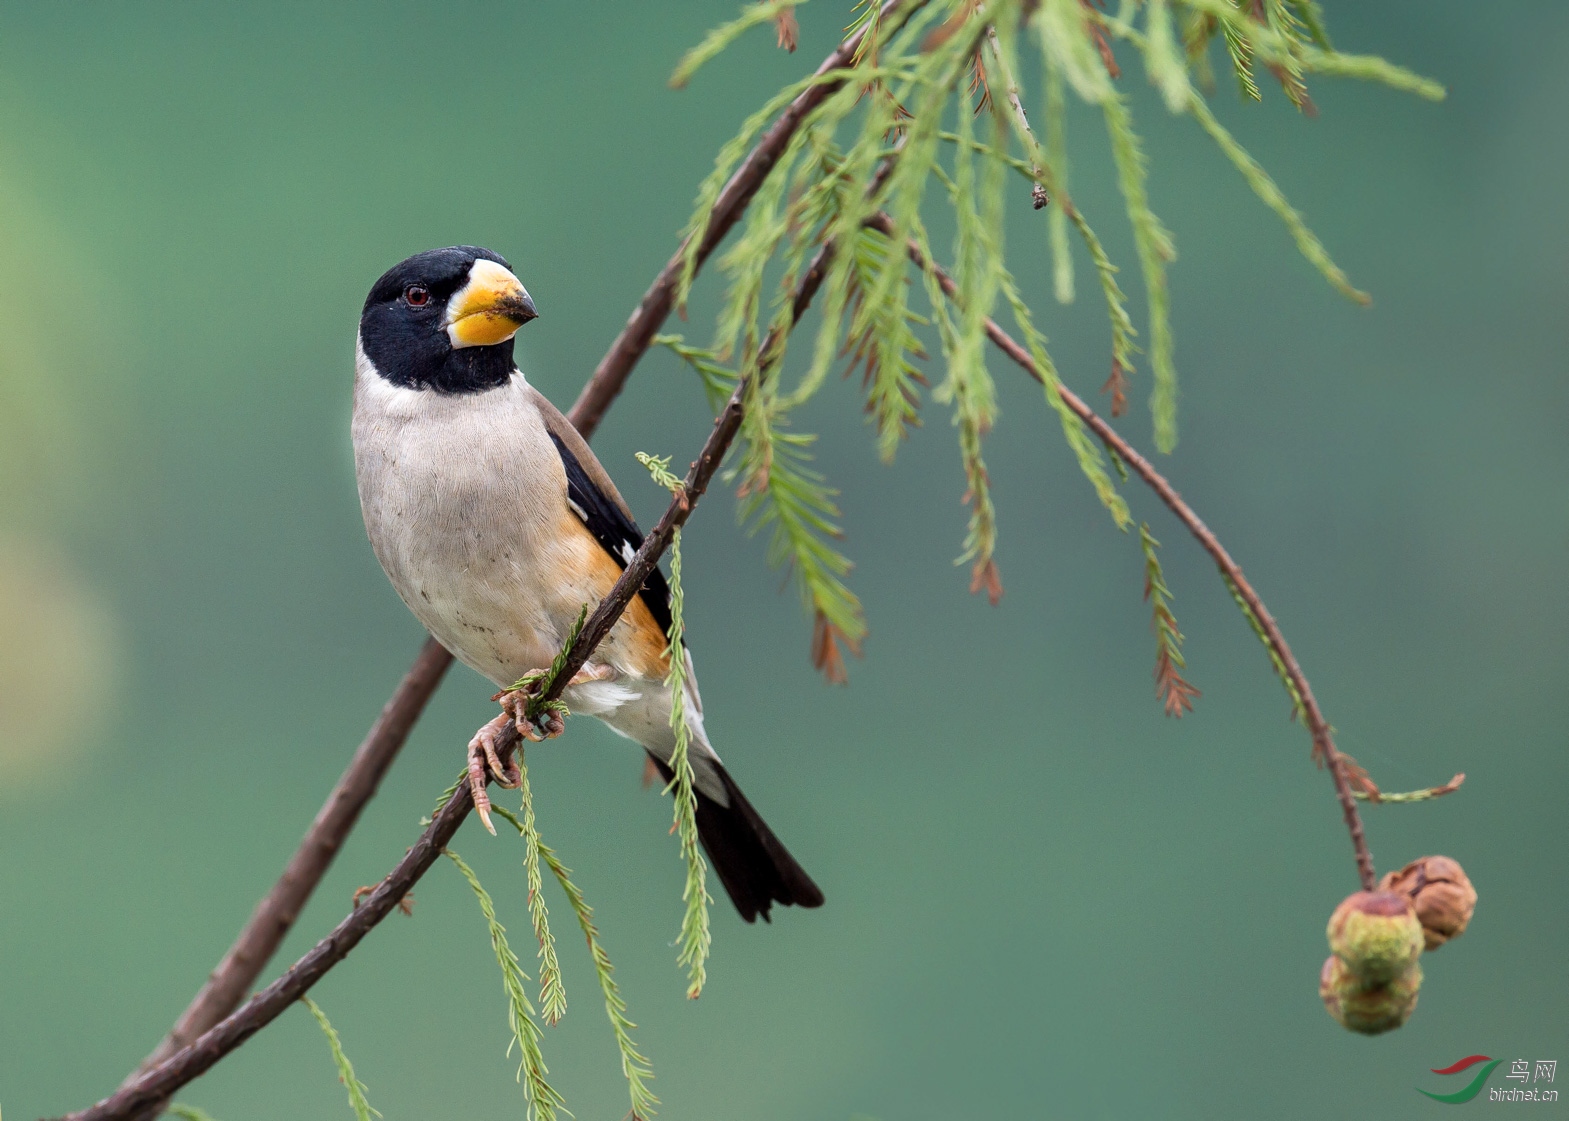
x=1440, y=893
x=1369, y=1009
x=1377, y=935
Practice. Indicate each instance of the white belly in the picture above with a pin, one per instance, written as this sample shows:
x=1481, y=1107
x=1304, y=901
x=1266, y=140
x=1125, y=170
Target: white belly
x=456, y=496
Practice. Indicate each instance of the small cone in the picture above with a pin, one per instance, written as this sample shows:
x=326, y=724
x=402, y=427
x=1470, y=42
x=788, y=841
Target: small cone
x=1368, y=1009
x=1440, y=894
x=1377, y=935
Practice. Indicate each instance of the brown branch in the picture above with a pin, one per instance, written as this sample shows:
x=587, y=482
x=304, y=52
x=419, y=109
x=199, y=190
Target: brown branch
x=1323, y=739
x=150, y=1090
x=276, y=913
x=278, y=910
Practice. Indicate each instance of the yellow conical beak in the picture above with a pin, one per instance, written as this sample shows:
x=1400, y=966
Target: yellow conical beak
x=489, y=309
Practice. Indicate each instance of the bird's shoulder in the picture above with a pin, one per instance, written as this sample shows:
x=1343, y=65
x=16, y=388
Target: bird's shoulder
x=571, y=443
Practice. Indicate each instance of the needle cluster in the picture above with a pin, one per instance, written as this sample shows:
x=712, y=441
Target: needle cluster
x=914, y=108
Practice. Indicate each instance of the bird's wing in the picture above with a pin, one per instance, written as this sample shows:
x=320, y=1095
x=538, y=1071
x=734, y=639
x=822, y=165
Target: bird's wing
x=595, y=500
x=565, y=435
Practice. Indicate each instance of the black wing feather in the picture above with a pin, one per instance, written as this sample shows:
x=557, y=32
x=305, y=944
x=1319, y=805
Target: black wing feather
x=616, y=533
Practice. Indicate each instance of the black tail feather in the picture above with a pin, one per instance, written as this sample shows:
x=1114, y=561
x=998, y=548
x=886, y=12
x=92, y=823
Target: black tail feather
x=755, y=867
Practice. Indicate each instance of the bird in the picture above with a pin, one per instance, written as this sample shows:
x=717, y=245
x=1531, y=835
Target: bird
x=497, y=525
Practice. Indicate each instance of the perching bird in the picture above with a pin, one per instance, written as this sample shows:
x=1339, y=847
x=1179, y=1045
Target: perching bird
x=496, y=524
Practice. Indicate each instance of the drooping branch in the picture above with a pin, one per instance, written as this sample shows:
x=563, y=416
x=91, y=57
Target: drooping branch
x=1318, y=727
x=276, y=913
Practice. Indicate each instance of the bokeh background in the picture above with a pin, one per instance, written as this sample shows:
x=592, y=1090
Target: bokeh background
x=1045, y=899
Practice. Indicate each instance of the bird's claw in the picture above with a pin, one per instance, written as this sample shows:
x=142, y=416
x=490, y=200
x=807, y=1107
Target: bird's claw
x=485, y=761
x=549, y=723
x=514, y=705
x=547, y=727
x=484, y=749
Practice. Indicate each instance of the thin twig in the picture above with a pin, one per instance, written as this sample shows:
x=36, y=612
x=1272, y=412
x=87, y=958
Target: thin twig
x=1039, y=196
x=1323, y=739
x=274, y=916
x=1429, y=793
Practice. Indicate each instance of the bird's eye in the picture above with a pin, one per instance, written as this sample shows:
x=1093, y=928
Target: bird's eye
x=416, y=296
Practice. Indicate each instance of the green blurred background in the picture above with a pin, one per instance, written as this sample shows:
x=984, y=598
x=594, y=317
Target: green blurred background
x=1044, y=898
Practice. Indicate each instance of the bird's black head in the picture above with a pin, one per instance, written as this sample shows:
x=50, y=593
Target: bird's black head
x=444, y=320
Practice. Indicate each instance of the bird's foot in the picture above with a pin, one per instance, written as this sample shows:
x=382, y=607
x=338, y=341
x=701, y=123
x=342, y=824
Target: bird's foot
x=484, y=755
x=549, y=723
x=484, y=758
x=514, y=706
